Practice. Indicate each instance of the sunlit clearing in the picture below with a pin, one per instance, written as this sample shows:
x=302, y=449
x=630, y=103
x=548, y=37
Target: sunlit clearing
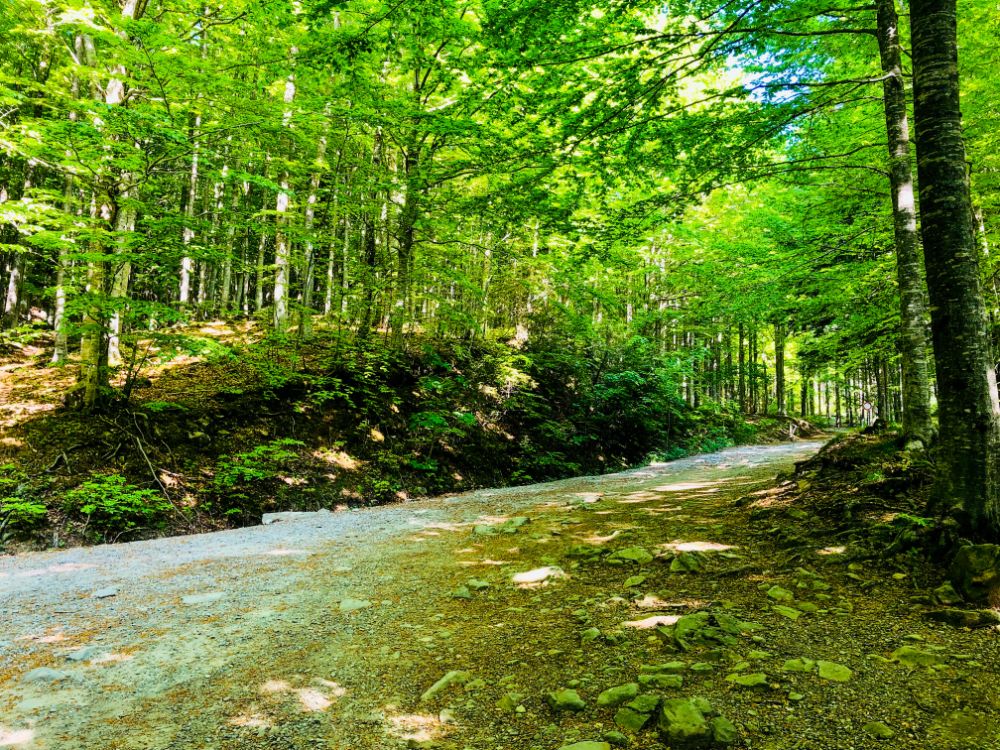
x=487, y=561
x=831, y=551
x=539, y=576
x=15, y=737
x=416, y=727
x=696, y=546
x=114, y=658
x=652, y=622
x=254, y=721
x=313, y=700
x=274, y=686
x=598, y=539
x=685, y=486
x=338, y=458
x=638, y=497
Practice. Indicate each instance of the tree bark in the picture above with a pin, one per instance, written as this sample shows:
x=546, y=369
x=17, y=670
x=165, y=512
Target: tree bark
x=969, y=411
x=913, y=338
x=780, y=334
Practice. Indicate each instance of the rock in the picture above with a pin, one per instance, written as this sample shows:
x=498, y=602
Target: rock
x=685, y=562
x=615, y=696
x=565, y=700
x=965, y=618
x=780, y=594
x=637, y=712
x=510, y=702
x=723, y=730
x=637, y=555
x=352, y=605
x=790, y=612
x=830, y=670
x=670, y=666
x=798, y=665
x=975, y=571
x=879, y=730
x=946, y=594
x=207, y=598
x=105, y=593
x=45, y=675
x=85, y=654
x=588, y=745
x=680, y=720
x=754, y=679
x=615, y=738
x=914, y=657
x=590, y=634
x=454, y=677
x=662, y=681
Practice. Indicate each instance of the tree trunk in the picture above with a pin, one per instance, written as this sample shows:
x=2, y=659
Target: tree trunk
x=913, y=339
x=780, y=334
x=969, y=412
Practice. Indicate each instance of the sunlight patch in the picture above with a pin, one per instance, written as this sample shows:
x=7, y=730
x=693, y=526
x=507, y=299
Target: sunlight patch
x=253, y=721
x=539, y=576
x=415, y=727
x=652, y=622
x=313, y=700
x=696, y=546
x=15, y=737
x=831, y=551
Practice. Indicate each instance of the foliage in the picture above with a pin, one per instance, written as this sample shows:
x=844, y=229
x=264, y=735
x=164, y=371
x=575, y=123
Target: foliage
x=112, y=507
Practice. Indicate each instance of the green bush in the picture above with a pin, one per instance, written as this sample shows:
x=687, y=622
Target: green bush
x=259, y=464
x=112, y=506
x=19, y=517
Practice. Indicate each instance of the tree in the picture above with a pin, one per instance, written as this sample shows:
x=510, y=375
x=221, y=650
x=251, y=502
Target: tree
x=969, y=411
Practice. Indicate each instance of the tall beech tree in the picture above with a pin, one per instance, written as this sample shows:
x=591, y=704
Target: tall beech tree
x=969, y=412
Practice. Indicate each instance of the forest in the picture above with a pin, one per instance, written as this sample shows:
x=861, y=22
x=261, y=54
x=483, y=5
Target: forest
x=270, y=262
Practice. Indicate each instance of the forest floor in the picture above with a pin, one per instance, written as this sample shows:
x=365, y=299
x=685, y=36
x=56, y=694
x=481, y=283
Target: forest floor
x=328, y=631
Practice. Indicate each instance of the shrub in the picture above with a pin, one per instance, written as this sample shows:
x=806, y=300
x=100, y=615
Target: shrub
x=112, y=506
x=259, y=464
x=19, y=517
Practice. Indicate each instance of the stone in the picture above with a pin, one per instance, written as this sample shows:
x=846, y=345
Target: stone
x=798, y=665
x=975, y=571
x=680, y=720
x=615, y=696
x=780, y=594
x=685, y=562
x=510, y=701
x=637, y=555
x=662, y=681
x=946, y=594
x=723, y=730
x=45, y=675
x=105, y=593
x=635, y=715
x=790, y=612
x=587, y=745
x=615, y=738
x=670, y=666
x=879, y=730
x=454, y=677
x=565, y=699
x=590, y=634
x=830, y=670
x=913, y=657
x=352, y=605
x=85, y=654
x=965, y=618
x=754, y=679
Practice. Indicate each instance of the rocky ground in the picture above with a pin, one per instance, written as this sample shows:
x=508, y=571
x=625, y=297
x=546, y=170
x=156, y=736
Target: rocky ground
x=640, y=610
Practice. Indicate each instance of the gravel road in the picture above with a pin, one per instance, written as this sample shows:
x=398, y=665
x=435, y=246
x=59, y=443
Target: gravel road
x=143, y=645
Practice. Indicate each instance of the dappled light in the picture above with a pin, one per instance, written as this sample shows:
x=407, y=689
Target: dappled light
x=15, y=738
x=539, y=576
x=654, y=621
x=696, y=547
x=415, y=727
